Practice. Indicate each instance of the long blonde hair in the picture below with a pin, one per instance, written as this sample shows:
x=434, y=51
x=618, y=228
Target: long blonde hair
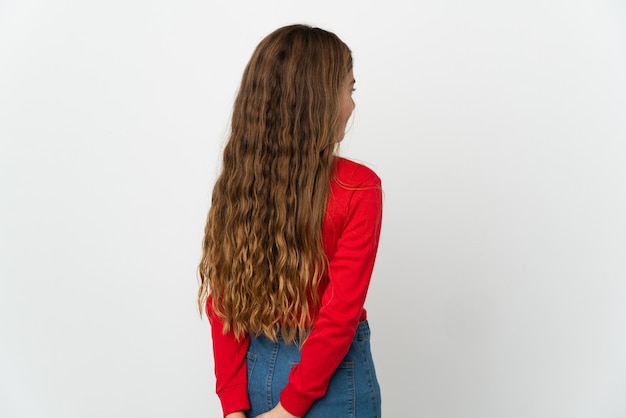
x=263, y=256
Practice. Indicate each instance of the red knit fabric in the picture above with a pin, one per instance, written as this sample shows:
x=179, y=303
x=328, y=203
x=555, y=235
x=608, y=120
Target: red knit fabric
x=350, y=233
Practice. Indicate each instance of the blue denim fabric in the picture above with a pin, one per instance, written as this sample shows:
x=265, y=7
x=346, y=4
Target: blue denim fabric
x=353, y=391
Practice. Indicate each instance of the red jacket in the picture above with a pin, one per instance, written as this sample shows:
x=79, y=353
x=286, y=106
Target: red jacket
x=350, y=234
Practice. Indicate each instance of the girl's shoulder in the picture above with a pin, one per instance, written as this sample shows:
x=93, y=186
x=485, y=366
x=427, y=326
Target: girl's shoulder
x=356, y=174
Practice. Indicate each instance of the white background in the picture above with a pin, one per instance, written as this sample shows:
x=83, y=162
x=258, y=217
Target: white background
x=498, y=128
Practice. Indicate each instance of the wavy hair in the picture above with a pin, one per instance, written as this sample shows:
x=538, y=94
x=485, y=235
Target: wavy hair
x=263, y=256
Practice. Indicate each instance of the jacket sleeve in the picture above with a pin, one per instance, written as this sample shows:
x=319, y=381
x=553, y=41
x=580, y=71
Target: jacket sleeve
x=229, y=356
x=349, y=273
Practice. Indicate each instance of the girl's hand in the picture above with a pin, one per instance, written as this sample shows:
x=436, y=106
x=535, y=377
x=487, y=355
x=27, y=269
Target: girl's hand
x=277, y=412
x=239, y=414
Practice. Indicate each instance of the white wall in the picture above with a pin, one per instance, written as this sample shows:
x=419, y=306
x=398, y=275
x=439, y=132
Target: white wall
x=498, y=128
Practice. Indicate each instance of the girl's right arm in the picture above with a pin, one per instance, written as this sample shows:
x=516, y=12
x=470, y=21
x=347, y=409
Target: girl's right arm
x=229, y=356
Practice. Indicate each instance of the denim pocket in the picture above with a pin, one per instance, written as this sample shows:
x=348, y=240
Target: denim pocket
x=339, y=400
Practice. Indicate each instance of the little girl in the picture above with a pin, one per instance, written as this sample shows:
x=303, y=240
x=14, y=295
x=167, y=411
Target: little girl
x=290, y=240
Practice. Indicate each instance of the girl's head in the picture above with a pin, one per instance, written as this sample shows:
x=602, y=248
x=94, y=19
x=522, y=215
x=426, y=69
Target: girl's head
x=295, y=85
x=263, y=257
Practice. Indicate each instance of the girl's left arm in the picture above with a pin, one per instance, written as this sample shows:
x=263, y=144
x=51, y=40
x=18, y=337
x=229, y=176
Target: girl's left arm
x=349, y=273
